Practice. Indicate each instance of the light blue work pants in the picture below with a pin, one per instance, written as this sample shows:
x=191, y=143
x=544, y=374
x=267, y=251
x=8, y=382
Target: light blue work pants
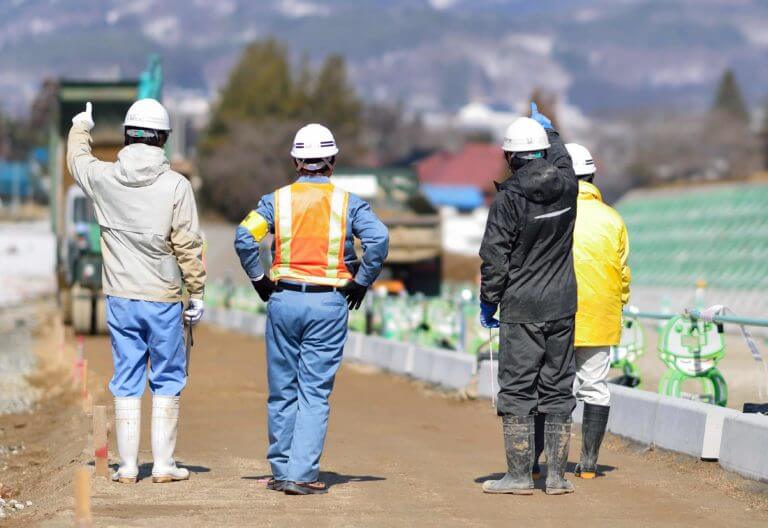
x=141, y=332
x=305, y=338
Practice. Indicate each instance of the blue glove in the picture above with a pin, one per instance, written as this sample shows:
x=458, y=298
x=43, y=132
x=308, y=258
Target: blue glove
x=487, y=312
x=540, y=118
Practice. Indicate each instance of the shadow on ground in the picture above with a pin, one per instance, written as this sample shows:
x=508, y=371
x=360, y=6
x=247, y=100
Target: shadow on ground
x=329, y=477
x=601, y=471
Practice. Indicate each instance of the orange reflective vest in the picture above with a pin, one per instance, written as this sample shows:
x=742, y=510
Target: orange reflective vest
x=310, y=231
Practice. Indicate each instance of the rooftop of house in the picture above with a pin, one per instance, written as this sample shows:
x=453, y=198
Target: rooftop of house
x=475, y=164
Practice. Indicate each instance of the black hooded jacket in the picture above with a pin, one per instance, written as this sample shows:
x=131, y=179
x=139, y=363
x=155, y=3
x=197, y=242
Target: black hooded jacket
x=527, y=249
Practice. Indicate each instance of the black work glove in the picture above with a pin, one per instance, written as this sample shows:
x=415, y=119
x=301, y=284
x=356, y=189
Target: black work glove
x=264, y=287
x=355, y=293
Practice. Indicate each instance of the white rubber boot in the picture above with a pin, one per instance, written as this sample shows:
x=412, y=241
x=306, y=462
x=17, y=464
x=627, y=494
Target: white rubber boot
x=128, y=427
x=165, y=423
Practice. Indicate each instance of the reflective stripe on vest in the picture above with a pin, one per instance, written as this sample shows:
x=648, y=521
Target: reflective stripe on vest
x=310, y=232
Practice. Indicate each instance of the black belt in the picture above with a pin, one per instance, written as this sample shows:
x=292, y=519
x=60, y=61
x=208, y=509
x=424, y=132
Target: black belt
x=305, y=288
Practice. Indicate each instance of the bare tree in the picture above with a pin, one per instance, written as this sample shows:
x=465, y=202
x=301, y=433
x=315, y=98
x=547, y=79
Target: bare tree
x=253, y=161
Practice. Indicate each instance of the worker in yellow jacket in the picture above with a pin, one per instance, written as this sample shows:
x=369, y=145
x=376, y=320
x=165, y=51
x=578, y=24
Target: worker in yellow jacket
x=600, y=250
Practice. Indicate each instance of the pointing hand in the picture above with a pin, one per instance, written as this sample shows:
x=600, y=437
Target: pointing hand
x=85, y=117
x=540, y=118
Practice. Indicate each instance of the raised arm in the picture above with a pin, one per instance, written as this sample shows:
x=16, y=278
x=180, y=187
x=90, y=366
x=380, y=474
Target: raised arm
x=81, y=163
x=557, y=154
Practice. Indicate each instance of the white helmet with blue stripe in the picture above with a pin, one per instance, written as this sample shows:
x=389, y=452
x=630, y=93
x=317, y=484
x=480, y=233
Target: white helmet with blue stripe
x=314, y=142
x=583, y=164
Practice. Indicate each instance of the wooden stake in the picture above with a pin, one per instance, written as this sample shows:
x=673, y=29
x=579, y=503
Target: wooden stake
x=83, y=517
x=87, y=403
x=80, y=347
x=84, y=377
x=62, y=337
x=77, y=368
x=100, y=450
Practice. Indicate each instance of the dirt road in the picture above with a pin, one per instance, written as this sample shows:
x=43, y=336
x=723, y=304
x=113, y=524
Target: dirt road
x=398, y=454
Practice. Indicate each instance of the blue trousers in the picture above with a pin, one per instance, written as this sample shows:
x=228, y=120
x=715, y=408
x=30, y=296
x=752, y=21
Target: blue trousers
x=144, y=331
x=305, y=336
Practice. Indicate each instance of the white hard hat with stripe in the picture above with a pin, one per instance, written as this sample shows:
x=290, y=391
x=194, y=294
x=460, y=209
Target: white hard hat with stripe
x=314, y=141
x=525, y=135
x=147, y=113
x=583, y=164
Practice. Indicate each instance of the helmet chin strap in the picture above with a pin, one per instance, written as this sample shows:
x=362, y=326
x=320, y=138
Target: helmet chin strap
x=303, y=165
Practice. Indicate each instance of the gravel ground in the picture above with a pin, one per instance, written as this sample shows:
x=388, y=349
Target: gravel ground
x=398, y=454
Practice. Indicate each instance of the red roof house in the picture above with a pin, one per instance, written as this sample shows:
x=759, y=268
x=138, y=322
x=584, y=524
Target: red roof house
x=476, y=164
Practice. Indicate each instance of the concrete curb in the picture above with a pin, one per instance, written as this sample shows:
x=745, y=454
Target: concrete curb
x=743, y=448
x=690, y=427
x=450, y=369
x=441, y=367
x=484, y=379
x=633, y=413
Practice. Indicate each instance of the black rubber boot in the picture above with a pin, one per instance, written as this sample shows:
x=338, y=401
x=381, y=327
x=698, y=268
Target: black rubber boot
x=518, y=443
x=538, y=445
x=557, y=438
x=592, y=431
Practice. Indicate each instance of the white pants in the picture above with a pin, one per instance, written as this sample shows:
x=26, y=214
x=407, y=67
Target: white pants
x=592, y=366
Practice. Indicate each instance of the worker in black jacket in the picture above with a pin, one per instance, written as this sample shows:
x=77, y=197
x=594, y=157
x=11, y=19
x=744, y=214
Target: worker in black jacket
x=527, y=270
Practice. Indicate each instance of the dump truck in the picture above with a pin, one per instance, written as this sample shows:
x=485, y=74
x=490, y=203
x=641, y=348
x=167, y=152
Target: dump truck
x=415, y=248
x=79, y=260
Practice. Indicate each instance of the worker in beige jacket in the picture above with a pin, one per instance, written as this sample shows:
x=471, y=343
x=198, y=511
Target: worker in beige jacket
x=151, y=242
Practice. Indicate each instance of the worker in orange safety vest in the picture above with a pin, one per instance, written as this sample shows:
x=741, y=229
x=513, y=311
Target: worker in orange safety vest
x=315, y=278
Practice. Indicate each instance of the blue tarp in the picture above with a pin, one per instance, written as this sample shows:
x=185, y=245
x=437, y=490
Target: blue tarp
x=40, y=155
x=462, y=197
x=15, y=179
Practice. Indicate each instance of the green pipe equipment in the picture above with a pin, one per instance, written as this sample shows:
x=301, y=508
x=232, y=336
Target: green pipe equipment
x=624, y=356
x=691, y=350
x=698, y=360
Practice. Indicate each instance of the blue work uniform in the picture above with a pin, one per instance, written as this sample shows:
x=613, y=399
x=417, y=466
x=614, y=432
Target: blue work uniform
x=141, y=331
x=305, y=338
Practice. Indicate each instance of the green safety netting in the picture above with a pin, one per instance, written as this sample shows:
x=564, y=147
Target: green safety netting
x=717, y=234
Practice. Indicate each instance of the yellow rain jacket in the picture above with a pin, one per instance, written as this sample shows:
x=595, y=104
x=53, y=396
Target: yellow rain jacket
x=600, y=250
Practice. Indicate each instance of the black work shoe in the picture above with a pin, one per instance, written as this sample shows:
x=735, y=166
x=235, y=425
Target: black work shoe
x=593, y=428
x=305, y=488
x=518, y=442
x=275, y=485
x=557, y=438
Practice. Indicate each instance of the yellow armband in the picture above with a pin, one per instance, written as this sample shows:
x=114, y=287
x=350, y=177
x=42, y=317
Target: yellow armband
x=256, y=225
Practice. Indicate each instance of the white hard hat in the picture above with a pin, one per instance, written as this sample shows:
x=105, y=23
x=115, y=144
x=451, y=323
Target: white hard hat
x=314, y=142
x=147, y=113
x=583, y=164
x=525, y=135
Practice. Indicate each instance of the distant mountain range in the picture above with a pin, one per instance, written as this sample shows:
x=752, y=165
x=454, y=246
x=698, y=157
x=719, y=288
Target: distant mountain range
x=433, y=55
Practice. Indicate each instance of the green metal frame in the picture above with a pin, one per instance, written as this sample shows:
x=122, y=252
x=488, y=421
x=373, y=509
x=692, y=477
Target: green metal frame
x=632, y=346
